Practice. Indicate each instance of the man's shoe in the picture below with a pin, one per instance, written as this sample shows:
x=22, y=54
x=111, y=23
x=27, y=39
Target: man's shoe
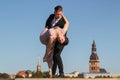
x=61, y=76
x=54, y=76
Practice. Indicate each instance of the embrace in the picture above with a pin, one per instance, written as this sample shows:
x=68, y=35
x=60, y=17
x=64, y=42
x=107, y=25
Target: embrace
x=54, y=38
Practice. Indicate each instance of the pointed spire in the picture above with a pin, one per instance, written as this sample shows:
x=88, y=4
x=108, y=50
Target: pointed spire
x=94, y=52
x=38, y=66
x=94, y=44
x=93, y=41
x=39, y=61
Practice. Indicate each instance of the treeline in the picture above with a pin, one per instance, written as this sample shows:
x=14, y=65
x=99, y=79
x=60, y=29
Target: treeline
x=4, y=76
x=40, y=75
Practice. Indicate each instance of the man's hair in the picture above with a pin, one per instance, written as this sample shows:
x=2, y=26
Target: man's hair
x=58, y=8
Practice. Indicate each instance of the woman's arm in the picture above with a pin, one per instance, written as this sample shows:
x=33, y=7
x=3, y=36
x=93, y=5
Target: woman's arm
x=66, y=24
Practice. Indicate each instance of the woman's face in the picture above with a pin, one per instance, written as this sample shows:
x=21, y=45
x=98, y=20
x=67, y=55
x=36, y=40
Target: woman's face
x=61, y=39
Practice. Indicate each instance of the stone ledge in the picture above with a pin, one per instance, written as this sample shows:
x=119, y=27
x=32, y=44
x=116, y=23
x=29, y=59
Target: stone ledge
x=66, y=79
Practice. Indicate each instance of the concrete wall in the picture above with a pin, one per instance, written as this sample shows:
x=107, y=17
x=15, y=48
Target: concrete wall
x=115, y=75
x=67, y=79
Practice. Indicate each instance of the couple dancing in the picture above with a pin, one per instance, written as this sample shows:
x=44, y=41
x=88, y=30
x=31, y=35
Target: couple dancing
x=54, y=38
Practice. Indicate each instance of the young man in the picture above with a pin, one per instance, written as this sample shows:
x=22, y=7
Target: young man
x=56, y=25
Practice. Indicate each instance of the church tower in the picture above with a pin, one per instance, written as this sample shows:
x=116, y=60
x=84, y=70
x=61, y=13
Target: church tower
x=94, y=63
x=38, y=66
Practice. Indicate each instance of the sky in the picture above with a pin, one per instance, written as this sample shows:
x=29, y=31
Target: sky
x=21, y=22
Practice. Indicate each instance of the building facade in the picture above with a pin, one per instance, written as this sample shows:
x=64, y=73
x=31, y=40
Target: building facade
x=94, y=66
x=94, y=63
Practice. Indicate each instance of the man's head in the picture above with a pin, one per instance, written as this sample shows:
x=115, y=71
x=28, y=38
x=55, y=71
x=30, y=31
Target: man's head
x=58, y=11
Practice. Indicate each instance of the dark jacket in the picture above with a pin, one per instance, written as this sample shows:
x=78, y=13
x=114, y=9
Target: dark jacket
x=60, y=23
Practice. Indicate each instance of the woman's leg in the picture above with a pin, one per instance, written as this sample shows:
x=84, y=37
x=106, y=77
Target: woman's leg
x=49, y=48
x=50, y=64
x=49, y=54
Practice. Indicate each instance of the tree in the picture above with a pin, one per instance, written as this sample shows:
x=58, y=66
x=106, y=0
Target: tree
x=40, y=75
x=4, y=75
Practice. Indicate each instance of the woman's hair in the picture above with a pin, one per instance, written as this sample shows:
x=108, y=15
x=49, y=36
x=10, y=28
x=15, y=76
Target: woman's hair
x=58, y=8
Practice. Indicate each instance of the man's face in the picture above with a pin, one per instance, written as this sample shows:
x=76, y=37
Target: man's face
x=58, y=14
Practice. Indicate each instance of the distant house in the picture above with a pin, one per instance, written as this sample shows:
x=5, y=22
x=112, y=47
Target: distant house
x=24, y=74
x=73, y=74
x=95, y=75
x=21, y=74
x=29, y=73
x=102, y=70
